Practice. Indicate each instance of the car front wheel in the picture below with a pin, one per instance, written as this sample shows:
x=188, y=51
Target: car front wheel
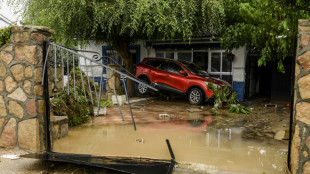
x=142, y=89
x=195, y=96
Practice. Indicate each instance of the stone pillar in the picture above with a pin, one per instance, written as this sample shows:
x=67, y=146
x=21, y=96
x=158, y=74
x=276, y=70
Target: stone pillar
x=21, y=93
x=300, y=149
x=112, y=79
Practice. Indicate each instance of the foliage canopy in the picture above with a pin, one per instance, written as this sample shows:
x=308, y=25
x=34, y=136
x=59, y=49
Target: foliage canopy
x=121, y=22
x=268, y=27
x=115, y=20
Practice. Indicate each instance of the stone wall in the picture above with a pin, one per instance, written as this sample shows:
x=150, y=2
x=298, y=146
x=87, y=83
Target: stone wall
x=21, y=92
x=300, y=149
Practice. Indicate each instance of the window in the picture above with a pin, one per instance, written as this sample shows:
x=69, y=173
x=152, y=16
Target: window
x=214, y=61
x=185, y=56
x=220, y=66
x=169, y=55
x=116, y=59
x=201, y=59
x=158, y=64
x=174, y=68
x=160, y=54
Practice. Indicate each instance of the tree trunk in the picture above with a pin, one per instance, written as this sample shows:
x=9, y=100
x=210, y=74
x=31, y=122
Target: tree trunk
x=122, y=47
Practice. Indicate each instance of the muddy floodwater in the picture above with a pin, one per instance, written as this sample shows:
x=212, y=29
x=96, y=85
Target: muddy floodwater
x=196, y=145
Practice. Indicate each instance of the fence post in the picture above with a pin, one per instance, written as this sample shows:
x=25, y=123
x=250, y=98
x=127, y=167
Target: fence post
x=22, y=105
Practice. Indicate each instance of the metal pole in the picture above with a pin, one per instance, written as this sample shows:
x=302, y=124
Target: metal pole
x=47, y=99
x=74, y=77
x=133, y=120
x=119, y=106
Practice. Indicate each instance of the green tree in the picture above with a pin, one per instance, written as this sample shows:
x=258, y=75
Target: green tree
x=121, y=22
x=267, y=27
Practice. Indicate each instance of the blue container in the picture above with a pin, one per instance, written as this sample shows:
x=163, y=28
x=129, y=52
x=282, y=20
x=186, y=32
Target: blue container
x=238, y=87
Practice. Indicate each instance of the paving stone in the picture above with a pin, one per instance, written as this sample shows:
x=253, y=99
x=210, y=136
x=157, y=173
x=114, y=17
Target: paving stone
x=64, y=130
x=302, y=112
x=38, y=90
x=31, y=107
x=304, y=60
x=18, y=94
x=295, y=150
x=38, y=37
x=2, y=107
x=25, y=53
x=21, y=37
x=41, y=106
x=304, y=41
x=10, y=84
x=6, y=57
x=28, y=135
x=8, y=136
x=8, y=48
x=305, y=153
x=306, y=168
x=279, y=135
x=28, y=72
x=38, y=75
x=2, y=70
x=16, y=109
x=304, y=87
x=18, y=72
x=27, y=86
x=1, y=86
x=1, y=122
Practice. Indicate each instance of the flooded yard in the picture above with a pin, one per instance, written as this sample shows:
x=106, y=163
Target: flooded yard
x=201, y=140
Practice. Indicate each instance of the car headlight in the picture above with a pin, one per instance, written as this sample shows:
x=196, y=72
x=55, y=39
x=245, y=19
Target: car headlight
x=215, y=85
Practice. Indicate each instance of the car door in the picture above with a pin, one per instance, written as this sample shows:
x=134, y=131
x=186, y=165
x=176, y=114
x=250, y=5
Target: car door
x=157, y=70
x=174, y=78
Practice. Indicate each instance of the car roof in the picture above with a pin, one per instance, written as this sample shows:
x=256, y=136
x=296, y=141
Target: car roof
x=161, y=58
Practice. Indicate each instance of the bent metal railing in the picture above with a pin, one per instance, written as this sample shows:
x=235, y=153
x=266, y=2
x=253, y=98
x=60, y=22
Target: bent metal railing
x=60, y=54
x=65, y=59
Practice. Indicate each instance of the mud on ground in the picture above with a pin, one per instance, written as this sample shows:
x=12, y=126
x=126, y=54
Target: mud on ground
x=266, y=120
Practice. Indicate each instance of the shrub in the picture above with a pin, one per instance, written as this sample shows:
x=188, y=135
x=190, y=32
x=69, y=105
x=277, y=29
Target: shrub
x=5, y=34
x=222, y=100
x=77, y=109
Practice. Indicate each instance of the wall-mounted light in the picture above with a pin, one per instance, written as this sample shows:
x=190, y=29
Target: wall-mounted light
x=230, y=57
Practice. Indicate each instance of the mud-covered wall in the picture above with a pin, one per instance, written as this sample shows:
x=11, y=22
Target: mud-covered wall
x=21, y=92
x=300, y=149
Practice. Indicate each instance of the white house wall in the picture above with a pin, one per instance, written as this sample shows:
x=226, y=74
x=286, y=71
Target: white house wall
x=97, y=69
x=238, y=65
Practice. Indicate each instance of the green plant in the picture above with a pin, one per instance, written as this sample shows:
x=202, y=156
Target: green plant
x=77, y=109
x=5, y=34
x=121, y=91
x=74, y=104
x=222, y=100
x=239, y=109
x=106, y=103
x=220, y=96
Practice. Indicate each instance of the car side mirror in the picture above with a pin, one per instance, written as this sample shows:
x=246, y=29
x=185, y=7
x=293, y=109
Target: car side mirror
x=182, y=72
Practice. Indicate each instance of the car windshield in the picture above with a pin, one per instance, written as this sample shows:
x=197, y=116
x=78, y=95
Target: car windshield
x=195, y=69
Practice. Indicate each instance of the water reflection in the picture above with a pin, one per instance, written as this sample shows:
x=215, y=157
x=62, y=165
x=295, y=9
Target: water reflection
x=192, y=141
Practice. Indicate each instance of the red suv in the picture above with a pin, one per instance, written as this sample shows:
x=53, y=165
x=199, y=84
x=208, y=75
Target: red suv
x=179, y=77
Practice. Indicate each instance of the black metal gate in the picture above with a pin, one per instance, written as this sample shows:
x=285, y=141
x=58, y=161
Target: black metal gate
x=59, y=57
